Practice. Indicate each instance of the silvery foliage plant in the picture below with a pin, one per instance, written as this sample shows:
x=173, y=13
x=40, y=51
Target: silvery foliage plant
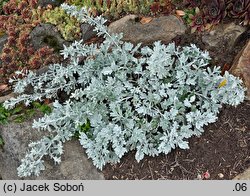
x=149, y=99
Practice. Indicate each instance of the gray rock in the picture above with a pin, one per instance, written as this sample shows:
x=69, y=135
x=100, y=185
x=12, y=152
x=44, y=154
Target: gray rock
x=223, y=35
x=3, y=40
x=74, y=166
x=44, y=3
x=163, y=28
x=87, y=31
x=47, y=35
x=6, y=97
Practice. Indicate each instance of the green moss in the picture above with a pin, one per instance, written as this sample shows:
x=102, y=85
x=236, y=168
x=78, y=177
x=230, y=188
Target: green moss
x=68, y=26
x=2, y=2
x=85, y=128
x=21, y=113
x=52, y=42
x=4, y=114
x=115, y=7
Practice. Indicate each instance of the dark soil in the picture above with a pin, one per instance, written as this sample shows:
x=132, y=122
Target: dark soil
x=224, y=148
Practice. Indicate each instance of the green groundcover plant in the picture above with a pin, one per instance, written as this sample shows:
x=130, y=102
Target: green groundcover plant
x=124, y=97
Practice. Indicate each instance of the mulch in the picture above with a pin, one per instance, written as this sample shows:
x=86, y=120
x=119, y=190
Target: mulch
x=223, y=151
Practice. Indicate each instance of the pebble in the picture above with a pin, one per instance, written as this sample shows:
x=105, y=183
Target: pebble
x=199, y=177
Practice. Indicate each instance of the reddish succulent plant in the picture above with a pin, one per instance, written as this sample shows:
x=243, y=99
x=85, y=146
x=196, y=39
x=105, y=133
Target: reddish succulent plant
x=18, y=53
x=247, y=18
x=197, y=21
x=163, y=6
x=193, y=3
x=238, y=8
x=155, y=7
x=214, y=10
x=167, y=7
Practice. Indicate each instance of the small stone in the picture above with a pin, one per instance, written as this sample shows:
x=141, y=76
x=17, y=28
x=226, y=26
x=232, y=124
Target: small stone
x=87, y=31
x=221, y=175
x=206, y=175
x=164, y=28
x=241, y=67
x=199, y=177
x=3, y=40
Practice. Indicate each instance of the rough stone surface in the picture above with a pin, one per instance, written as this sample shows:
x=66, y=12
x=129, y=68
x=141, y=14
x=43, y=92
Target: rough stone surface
x=74, y=166
x=6, y=97
x=3, y=40
x=44, y=3
x=244, y=176
x=223, y=35
x=163, y=28
x=47, y=35
x=241, y=67
x=87, y=31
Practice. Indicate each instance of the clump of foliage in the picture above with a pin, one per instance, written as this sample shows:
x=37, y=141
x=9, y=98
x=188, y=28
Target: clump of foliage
x=4, y=114
x=21, y=113
x=67, y=25
x=19, y=18
x=116, y=7
x=239, y=9
x=214, y=11
x=195, y=19
x=124, y=97
x=193, y=3
x=162, y=6
x=2, y=2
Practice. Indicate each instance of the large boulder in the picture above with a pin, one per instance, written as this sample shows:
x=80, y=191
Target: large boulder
x=47, y=35
x=164, y=28
x=74, y=166
x=241, y=67
x=223, y=36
